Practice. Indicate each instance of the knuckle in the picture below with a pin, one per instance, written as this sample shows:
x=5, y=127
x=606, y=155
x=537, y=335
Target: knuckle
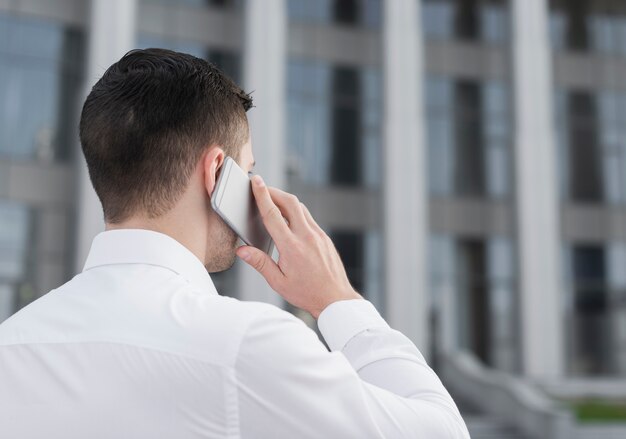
x=293, y=199
x=272, y=212
x=310, y=236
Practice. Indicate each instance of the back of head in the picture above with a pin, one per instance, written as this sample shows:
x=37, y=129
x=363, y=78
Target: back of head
x=146, y=123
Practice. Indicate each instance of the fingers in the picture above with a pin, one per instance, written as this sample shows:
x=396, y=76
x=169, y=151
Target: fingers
x=291, y=208
x=271, y=214
x=261, y=262
x=309, y=219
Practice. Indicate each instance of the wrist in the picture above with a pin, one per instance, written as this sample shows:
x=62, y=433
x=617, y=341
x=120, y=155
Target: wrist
x=351, y=295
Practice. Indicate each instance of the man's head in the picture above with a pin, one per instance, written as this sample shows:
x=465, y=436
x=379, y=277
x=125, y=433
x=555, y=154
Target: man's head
x=157, y=127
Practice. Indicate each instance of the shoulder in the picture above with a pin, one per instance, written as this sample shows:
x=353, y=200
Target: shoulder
x=255, y=319
x=263, y=318
x=210, y=323
x=275, y=337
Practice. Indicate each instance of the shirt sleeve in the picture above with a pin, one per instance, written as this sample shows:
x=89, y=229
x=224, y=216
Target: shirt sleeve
x=374, y=383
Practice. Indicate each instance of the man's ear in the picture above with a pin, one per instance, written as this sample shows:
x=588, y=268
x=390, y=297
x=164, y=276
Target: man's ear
x=212, y=164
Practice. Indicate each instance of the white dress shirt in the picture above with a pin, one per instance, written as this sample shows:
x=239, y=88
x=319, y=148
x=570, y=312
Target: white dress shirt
x=141, y=345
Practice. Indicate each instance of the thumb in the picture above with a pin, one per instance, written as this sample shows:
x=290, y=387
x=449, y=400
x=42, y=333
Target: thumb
x=261, y=262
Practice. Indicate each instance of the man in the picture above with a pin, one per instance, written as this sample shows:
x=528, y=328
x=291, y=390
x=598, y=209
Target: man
x=140, y=344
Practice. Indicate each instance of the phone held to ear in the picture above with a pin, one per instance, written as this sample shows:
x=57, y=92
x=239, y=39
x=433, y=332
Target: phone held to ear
x=234, y=202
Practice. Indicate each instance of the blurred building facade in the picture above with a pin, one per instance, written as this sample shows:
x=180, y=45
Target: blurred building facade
x=513, y=190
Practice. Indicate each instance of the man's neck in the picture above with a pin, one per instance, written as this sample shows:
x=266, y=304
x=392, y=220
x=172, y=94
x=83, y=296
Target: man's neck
x=184, y=235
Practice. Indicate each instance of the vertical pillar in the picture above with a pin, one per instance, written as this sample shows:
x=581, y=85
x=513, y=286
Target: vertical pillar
x=264, y=65
x=536, y=192
x=405, y=179
x=112, y=27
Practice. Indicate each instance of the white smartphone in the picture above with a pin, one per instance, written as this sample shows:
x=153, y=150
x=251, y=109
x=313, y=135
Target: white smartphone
x=234, y=202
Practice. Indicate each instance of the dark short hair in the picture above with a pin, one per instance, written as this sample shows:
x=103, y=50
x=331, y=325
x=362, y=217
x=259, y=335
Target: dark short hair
x=146, y=123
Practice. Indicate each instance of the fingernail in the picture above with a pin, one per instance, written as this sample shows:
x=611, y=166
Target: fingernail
x=258, y=181
x=244, y=254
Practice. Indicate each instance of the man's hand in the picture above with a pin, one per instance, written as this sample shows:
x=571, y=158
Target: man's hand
x=309, y=273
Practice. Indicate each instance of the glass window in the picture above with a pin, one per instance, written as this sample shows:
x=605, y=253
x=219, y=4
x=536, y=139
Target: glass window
x=346, y=114
x=617, y=284
x=438, y=19
x=617, y=268
x=473, y=295
x=41, y=71
x=612, y=139
x=334, y=129
x=198, y=3
x=224, y=3
x=590, y=332
x=444, y=335
x=14, y=229
x=469, y=137
x=562, y=134
x=365, y=13
x=595, y=276
x=306, y=10
x=557, y=30
x=469, y=175
x=350, y=246
x=475, y=277
x=374, y=268
x=502, y=303
x=486, y=299
x=470, y=20
x=598, y=26
x=370, y=126
x=308, y=135
x=361, y=255
x=372, y=13
x=497, y=138
x=591, y=129
x=585, y=158
x=493, y=22
x=346, y=11
x=601, y=28
x=440, y=126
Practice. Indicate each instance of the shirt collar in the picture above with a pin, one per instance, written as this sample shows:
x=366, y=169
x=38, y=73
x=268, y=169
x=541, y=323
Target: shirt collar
x=140, y=246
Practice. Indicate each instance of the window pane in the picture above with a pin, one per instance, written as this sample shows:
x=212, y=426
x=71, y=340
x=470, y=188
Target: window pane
x=41, y=68
x=351, y=248
x=591, y=332
x=473, y=296
x=14, y=228
x=334, y=127
x=472, y=20
x=344, y=12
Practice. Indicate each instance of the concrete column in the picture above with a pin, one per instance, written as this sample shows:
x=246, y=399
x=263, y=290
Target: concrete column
x=405, y=178
x=264, y=66
x=536, y=192
x=111, y=34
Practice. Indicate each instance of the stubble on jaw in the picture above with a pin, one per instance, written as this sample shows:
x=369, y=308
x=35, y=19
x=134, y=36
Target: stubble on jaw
x=223, y=254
